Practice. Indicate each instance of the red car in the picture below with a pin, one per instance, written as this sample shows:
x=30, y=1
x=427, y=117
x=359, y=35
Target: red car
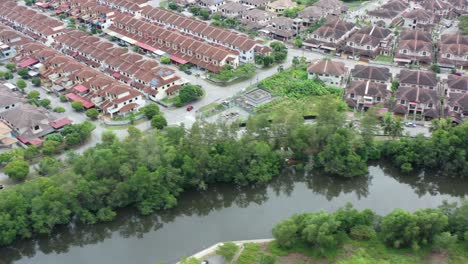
x=190, y=108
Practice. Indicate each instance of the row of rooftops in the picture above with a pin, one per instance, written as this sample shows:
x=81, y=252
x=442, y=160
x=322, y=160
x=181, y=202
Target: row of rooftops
x=25, y=17
x=333, y=33
x=170, y=41
x=195, y=27
x=202, y=29
x=383, y=75
x=87, y=85
x=95, y=52
x=116, y=58
x=418, y=87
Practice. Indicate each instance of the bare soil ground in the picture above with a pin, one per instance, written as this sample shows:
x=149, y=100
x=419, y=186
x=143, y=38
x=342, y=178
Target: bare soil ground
x=437, y=258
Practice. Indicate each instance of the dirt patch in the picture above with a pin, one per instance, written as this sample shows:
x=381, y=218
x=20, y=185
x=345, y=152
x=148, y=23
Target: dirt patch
x=294, y=258
x=437, y=258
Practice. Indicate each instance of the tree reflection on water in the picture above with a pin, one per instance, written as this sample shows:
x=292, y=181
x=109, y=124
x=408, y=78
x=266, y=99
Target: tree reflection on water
x=217, y=197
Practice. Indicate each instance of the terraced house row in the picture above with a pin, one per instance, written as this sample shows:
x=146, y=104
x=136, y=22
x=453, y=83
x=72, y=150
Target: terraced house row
x=79, y=82
x=182, y=48
x=133, y=69
x=38, y=26
x=246, y=46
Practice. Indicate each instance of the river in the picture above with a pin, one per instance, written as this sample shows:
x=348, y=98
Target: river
x=229, y=213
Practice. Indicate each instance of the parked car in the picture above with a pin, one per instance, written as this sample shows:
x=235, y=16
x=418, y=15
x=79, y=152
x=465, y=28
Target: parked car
x=457, y=73
x=410, y=124
x=188, y=72
x=1, y=186
x=190, y=108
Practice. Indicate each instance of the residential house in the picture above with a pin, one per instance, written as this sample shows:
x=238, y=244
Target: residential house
x=419, y=19
x=256, y=18
x=459, y=7
x=438, y=7
x=282, y=28
x=212, y=5
x=370, y=42
x=311, y=14
x=453, y=51
x=331, y=7
x=457, y=106
x=414, y=47
x=6, y=137
x=361, y=95
x=28, y=122
x=8, y=98
x=10, y=42
x=330, y=36
x=388, y=14
x=456, y=84
x=279, y=6
x=328, y=71
x=422, y=79
x=372, y=73
x=255, y=3
x=120, y=99
x=413, y=101
x=232, y=9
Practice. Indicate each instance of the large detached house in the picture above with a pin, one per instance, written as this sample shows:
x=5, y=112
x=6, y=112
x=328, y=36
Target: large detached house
x=328, y=71
x=413, y=101
x=453, y=51
x=282, y=28
x=370, y=42
x=456, y=84
x=456, y=91
x=255, y=3
x=388, y=14
x=256, y=18
x=422, y=79
x=279, y=6
x=419, y=19
x=372, y=73
x=330, y=36
x=440, y=8
x=232, y=9
x=418, y=94
x=414, y=47
x=362, y=95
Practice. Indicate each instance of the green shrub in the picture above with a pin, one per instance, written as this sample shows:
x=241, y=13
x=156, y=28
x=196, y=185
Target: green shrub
x=362, y=232
x=227, y=250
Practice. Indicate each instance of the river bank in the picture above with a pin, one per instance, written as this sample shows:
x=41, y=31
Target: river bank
x=228, y=213
x=351, y=252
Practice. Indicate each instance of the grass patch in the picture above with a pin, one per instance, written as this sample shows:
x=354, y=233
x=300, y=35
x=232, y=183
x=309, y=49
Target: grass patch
x=250, y=254
x=294, y=82
x=371, y=251
x=459, y=254
x=305, y=106
x=376, y=249
x=306, y=250
x=208, y=107
x=383, y=58
x=169, y=100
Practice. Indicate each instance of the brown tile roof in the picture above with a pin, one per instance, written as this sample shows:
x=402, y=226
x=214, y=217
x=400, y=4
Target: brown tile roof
x=371, y=73
x=335, y=68
x=424, y=78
